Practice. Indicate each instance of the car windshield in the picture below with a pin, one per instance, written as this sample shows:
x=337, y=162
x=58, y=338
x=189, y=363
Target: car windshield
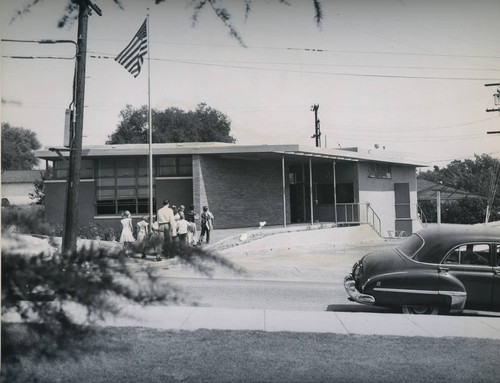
x=411, y=245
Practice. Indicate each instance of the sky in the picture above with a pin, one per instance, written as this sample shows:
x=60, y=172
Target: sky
x=406, y=76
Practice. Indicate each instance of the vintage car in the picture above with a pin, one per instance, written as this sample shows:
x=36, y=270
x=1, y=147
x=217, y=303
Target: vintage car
x=442, y=269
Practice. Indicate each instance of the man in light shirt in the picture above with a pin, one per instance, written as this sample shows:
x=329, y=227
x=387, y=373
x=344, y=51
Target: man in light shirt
x=166, y=222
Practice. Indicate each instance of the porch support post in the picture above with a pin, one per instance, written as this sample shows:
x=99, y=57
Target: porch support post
x=311, y=189
x=304, y=210
x=335, y=191
x=284, y=188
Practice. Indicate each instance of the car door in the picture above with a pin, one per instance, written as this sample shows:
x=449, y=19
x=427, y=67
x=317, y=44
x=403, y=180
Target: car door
x=496, y=278
x=471, y=264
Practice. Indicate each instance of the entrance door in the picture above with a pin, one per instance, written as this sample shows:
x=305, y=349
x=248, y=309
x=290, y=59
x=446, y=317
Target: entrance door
x=403, y=208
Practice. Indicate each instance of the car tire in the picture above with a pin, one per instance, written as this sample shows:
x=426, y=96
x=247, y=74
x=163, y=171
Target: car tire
x=420, y=310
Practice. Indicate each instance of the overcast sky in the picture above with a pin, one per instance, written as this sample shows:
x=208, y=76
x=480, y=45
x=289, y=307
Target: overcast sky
x=407, y=75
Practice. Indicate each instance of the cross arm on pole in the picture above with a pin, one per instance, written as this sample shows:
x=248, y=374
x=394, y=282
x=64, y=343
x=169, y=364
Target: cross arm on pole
x=58, y=152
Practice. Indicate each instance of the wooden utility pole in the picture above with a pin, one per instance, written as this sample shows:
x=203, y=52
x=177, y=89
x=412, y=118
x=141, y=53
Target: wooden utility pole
x=496, y=97
x=317, y=132
x=75, y=150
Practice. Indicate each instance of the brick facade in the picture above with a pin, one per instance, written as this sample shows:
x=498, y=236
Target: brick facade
x=240, y=193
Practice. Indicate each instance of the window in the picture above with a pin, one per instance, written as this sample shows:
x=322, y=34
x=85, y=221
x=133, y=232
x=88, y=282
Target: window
x=175, y=166
x=498, y=255
x=345, y=193
x=86, y=170
x=470, y=254
x=411, y=246
x=122, y=184
x=324, y=193
x=380, y=171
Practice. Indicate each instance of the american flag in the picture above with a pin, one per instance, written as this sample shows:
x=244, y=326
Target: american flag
x=132, y=57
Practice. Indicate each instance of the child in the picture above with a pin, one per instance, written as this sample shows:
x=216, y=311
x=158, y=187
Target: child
x=182, y=230
x=127, y=237
x=207, y=224
x=191, y=216
x=142, y=233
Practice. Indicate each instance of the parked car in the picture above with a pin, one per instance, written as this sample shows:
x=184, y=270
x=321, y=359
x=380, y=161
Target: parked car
x=442, y=269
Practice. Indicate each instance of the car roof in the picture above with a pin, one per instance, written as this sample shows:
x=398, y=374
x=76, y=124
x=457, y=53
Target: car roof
x=439, y=239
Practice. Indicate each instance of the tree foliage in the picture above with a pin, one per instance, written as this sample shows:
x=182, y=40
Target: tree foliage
x=38, y=194
x=217, y=7
x=204, y=124
x=480, y=176
x=18, y=145
x=60, y=297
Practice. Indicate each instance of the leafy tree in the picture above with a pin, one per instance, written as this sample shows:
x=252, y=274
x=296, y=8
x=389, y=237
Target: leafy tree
x=18, y=145
x=38, y=195
x=205, y=124
x=480, y=176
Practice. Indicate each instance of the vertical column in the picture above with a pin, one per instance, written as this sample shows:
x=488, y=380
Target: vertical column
x=335, y=191
x=284, y=188
x=311, y=189
x=438, y=202
x=304, y=210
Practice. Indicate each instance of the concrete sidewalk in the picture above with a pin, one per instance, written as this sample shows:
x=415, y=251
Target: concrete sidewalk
x=193, y=318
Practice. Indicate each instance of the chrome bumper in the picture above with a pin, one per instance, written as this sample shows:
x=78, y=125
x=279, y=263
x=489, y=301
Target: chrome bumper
x=354, y=294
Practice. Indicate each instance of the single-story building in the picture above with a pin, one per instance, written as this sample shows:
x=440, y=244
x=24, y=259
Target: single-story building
x=242, y=184
x=428, y=191
x=18, y=184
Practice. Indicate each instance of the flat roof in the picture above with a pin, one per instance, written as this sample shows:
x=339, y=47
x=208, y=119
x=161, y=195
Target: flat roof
x=21, y=176
x=221, y=148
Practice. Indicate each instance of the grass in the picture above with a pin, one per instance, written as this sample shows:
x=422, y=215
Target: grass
x=149, y=355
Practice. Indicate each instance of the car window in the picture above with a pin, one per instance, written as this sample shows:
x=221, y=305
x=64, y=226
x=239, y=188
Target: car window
x=411, y=245
x=470, y=254
x=498, y=255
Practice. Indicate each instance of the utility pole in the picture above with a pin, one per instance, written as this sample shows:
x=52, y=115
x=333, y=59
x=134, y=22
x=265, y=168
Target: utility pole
x=75, y=150
x=317, y=132
x=496, y=98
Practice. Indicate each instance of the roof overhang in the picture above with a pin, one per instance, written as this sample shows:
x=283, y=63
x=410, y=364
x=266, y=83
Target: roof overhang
x=229, y=150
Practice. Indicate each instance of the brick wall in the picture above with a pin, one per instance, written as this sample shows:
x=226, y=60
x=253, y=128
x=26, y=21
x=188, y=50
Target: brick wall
x=240, y=193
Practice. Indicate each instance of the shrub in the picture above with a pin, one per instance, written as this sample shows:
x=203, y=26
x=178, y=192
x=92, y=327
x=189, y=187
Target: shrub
x=44, y=291
x=25, y=220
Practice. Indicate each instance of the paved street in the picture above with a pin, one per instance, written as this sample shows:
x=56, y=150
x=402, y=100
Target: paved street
x=251, y=294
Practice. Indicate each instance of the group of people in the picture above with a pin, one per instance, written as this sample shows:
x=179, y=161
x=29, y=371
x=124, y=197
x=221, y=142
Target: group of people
x=172, y=229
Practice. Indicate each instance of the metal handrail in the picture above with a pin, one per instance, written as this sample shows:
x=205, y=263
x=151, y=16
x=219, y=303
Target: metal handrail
x=351, y=213
x=374, y=215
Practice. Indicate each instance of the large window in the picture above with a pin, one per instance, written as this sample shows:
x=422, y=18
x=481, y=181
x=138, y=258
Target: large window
x=175, y=166
x=122, y=184
x=61, y=170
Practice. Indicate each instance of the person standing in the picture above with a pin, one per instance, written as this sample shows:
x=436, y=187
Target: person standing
x=182, y=231
x=126, y=237
x=207, y=224
x=173, y=231
x=166, y=222
x=142, y=234
x=191, y=216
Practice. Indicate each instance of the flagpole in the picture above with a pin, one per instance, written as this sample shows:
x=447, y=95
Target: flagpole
x=150, y=132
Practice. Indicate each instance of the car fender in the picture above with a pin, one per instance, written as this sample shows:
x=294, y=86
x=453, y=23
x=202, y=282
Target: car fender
x=409, y=287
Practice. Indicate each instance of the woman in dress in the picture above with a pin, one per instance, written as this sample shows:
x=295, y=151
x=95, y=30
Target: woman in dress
x=127, y=237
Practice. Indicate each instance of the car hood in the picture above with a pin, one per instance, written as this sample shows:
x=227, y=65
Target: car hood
x=382, y=262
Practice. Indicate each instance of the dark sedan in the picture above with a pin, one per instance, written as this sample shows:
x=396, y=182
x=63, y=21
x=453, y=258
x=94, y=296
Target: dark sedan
x=446, y=268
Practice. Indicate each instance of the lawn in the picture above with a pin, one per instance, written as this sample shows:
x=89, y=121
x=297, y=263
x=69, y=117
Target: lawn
x=148, y=355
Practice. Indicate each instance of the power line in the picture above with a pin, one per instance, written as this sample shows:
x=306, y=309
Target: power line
x=420, y=128
x=107, y=56
x=310, y=72
x=320, y=50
